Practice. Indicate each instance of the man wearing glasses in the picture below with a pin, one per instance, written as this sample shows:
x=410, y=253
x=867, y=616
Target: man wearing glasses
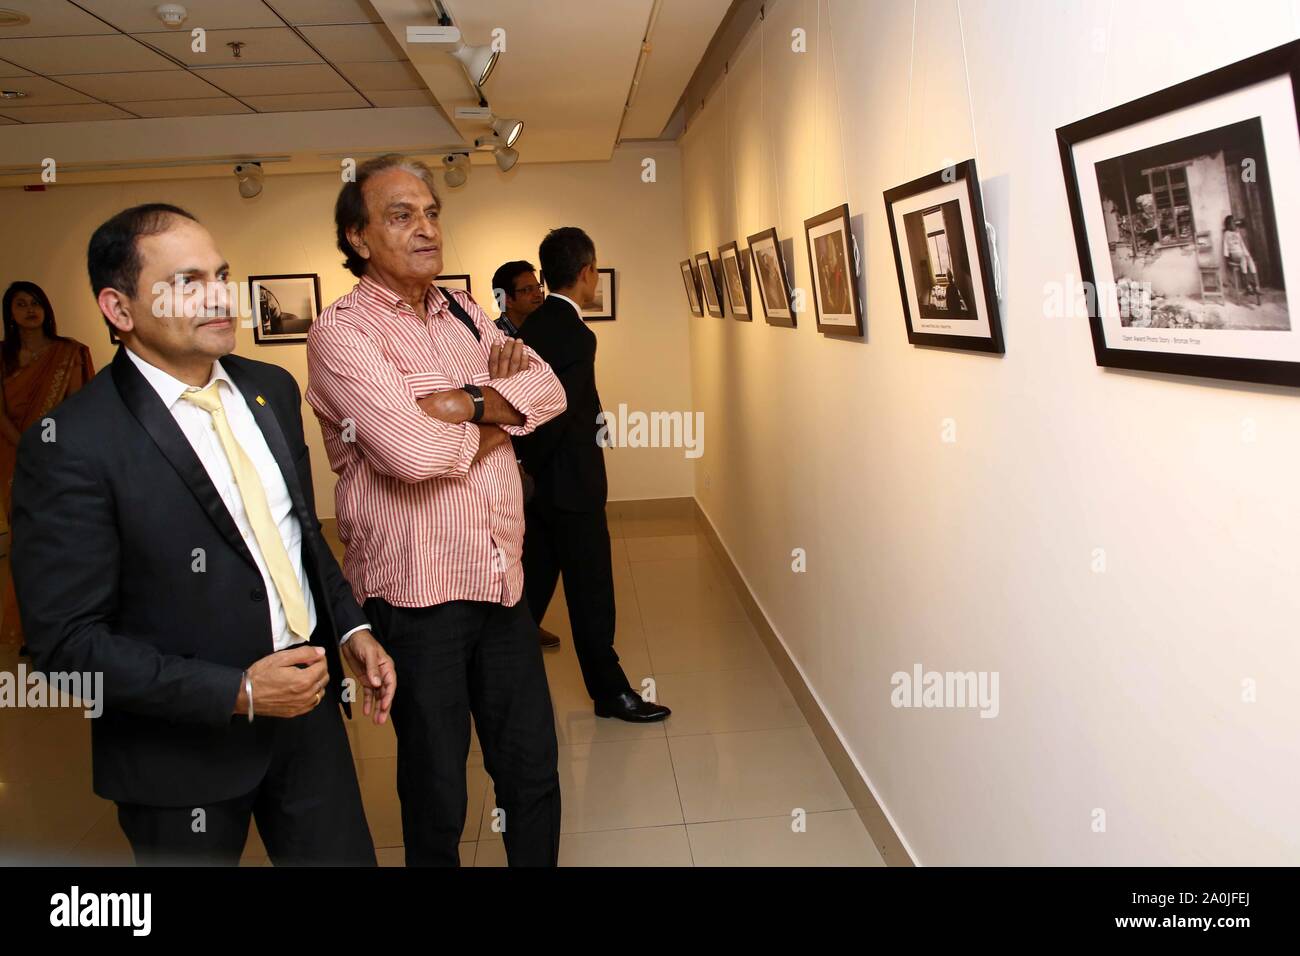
x=518, y=294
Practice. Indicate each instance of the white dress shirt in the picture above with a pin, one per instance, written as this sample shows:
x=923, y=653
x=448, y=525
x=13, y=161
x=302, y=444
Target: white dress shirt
x=196, y=423
x=576, y=307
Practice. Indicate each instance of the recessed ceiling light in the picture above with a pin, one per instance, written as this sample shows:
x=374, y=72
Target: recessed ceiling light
x=12, y=94
x=13, y=18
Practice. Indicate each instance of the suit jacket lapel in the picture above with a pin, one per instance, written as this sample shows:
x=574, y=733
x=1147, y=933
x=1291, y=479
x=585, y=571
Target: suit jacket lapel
x=149, y=410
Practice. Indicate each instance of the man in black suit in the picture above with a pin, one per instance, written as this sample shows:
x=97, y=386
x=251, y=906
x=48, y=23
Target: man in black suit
x=566, y=528
x=165, y=535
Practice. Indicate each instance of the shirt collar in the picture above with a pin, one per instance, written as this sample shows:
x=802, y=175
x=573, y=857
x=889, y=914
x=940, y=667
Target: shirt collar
x=170, y=389
x=375, y=291
x=507, y=325
x=568, y=300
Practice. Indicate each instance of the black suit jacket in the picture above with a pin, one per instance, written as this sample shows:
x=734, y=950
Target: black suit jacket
x=562, y=455
x=107, y=522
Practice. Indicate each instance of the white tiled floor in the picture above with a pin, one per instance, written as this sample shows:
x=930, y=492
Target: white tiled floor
x=734, y=778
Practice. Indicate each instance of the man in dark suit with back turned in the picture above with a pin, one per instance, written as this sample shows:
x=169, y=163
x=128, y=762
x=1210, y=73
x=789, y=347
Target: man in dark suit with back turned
x=165, y=535
x=566, y=528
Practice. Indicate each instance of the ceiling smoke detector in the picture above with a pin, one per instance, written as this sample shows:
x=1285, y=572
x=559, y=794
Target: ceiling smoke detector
x=172, y=15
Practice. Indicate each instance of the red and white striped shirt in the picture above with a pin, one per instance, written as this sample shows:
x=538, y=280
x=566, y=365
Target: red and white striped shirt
x=420, y=521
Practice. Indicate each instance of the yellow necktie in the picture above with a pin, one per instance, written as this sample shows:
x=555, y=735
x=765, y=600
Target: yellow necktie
x=258, y=512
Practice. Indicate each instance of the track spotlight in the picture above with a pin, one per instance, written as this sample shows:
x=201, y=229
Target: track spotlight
x=508, y=129
x=506, y=158
x=478, y=61
x=456, y=166
x=250, y=179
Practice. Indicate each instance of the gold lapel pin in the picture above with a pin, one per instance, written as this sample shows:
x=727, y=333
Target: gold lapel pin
x=261, y=400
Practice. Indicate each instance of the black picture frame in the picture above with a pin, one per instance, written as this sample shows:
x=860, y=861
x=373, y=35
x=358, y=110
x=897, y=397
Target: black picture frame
x=604, y=314
x=741, y=311
x=451, y=282
x=767, y=242
x=265, y=321
x=705, y=266
x=844, y=251
x=691, y=283
x=1282, y=61
x=985, y=297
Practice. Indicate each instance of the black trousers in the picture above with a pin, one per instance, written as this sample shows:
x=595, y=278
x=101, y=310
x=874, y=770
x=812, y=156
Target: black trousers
x=576, y=544
x=307, y=807
x=452, y=660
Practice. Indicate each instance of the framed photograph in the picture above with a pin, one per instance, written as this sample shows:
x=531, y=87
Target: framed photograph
x=454, y=282
x=941, y=251
x=773, y=287
x=691, y=281
x=284, y=307
x=735, y=276
x=1178, y=201
x=835, y=280
x=709, y=284
x=602, y=303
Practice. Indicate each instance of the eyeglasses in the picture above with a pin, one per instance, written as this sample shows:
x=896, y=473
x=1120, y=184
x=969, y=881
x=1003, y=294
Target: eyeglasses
x=528, y=289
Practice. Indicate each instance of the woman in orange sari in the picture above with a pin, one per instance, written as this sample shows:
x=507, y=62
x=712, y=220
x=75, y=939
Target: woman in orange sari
x=40, y=368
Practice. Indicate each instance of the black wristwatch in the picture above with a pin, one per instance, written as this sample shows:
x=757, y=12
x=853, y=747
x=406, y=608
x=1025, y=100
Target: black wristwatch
x=475, y=393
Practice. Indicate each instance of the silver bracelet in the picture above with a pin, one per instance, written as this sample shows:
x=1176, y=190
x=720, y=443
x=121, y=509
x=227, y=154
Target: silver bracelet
x=248, y=690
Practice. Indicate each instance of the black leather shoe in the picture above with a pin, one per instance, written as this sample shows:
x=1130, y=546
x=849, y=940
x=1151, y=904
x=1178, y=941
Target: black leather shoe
x=630, y=707
x=547, y=638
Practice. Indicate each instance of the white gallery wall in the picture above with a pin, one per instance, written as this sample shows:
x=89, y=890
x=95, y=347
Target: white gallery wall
x=637, y=228
x=1122, y=549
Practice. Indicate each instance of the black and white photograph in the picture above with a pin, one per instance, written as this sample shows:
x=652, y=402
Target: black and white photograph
x=709, y=284
x=1178, y=201
x=284, y=307
x=454, y=282
x=834, y=272
x=691, y=282
x=601, y=306
x=941, y=253
x=773, y=287
x=735, y=274
x=1196, y=240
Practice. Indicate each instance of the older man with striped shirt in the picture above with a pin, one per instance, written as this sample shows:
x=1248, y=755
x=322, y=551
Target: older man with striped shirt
x=418, y=393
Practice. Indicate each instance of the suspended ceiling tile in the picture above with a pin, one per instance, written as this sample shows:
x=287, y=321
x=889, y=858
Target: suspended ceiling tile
x=356, y=43
x=368, y=77
x=139, y=87
x=396, y=98
x=55, y=56
x=300, y=12
x=42, y=92
x=9, y=69
x=245, y=81
x=269, y=45
x=218, y=106
x=84, y=112
x=306, y=101
x=142, y=17
x=53, y=18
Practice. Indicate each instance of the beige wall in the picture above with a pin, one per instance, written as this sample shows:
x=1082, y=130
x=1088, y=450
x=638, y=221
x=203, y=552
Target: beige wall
x=637, y=228
x=1120, y=691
